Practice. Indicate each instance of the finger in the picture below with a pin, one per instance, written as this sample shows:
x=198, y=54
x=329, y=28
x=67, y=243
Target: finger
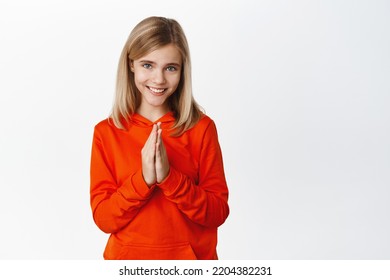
x=148, y=158
x=161, y=153
x=149, y=149
x=154, y=135
x=151, y=141
x=159, y=138
x=158, y=143
x=158, y=152
x=162, y=163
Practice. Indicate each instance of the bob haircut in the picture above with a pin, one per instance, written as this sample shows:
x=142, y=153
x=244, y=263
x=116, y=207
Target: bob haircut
x=148, y=35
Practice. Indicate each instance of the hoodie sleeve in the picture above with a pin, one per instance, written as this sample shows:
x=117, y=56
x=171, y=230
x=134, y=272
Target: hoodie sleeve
x=204, y=202
x=113, y=206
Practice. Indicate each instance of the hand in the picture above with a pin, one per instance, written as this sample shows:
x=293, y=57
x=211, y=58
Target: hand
x=162, y=163
x=148, y=154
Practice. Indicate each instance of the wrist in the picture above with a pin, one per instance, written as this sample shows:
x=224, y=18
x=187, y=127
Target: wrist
x=163, y=178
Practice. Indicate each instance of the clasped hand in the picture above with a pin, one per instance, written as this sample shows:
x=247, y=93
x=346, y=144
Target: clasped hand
x=155, y=164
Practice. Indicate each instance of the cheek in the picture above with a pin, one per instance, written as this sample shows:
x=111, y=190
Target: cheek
x=174, y=81
x=139, y=77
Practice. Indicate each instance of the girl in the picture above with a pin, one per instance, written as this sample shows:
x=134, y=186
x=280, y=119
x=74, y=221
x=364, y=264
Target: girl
x=157, y=179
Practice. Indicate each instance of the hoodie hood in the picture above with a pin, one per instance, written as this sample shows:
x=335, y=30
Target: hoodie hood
x=166, y=120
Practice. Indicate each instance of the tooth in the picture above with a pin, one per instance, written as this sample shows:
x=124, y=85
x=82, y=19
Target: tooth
x=157, y=90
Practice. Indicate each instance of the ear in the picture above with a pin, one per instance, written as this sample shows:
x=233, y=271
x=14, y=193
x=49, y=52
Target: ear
x=132, y=65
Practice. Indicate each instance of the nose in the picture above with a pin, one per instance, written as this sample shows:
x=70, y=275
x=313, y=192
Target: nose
x=159, y=77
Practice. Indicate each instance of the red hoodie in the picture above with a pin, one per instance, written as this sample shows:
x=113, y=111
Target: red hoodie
x=176, y=219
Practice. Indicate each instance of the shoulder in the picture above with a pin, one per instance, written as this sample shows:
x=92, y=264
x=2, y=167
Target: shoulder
x=105, y=127
x=204, y=126
x=204, y=122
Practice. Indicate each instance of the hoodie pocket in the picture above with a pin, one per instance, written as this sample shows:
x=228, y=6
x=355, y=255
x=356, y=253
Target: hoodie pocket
x=181, y=251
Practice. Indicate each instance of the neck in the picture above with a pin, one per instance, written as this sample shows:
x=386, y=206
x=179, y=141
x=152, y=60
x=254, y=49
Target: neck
x=152, y=114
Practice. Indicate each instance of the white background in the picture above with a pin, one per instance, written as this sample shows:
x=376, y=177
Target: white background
x=299, y=90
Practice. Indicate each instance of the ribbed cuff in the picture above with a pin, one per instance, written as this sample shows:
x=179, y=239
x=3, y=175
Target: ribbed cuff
x=171, y=182
x=135, y=187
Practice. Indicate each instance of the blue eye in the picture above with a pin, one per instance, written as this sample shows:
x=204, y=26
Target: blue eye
x=147, y=66
x=171, y=68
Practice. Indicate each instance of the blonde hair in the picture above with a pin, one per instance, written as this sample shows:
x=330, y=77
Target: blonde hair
x=147, y=36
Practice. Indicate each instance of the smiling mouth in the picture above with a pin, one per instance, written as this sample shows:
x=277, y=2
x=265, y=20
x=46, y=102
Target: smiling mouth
x=157, y=91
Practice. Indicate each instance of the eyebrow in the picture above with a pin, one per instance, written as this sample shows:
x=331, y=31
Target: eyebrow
x=151, y=62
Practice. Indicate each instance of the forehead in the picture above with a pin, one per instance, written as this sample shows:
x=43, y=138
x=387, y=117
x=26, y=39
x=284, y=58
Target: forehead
x=163, y=55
